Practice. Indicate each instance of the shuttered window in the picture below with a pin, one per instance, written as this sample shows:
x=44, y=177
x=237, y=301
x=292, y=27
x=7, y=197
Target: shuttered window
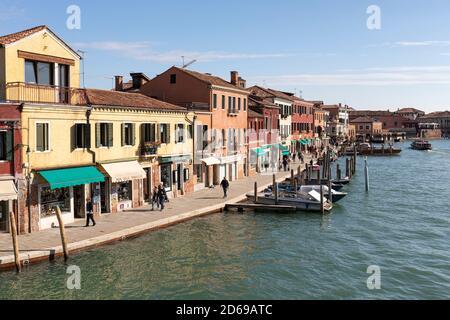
x=81, y=136
x=42, y=137
x=128, y=134
x=164, y=133
x=6, y=145
x=148, y=132
x=179, y=132
x=104, y=135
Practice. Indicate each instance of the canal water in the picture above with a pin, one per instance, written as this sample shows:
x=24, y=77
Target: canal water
x=402, y=226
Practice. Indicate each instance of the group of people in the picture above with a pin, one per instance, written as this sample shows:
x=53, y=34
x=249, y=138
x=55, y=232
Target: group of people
x=159, y=197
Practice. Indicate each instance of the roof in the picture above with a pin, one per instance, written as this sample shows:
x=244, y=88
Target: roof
x=409, y=110
x=362, y=119
x=14, y=37
x=370, y=113
x=98, y=97
x=210, y=79
x=261, y=102
x=437, y=114
x=254, y=114
x=281, y=95
x=260, y=92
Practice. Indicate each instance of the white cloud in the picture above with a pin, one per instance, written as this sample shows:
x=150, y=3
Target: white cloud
x=407, y=44
x=11, y=12
x=383, y=76
x=144, y=50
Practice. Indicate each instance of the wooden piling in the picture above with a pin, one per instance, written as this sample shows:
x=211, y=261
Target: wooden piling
x=256, y=193
x=276, y=193
x=295, y=188
x=15, y=241
x=321, y=199
x=63, y=232
x=274, y=183
x=338, y=172
x=330, y=190
x=292, y=177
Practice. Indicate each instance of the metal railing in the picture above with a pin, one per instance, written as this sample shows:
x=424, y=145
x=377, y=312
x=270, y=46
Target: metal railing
x=35, y=93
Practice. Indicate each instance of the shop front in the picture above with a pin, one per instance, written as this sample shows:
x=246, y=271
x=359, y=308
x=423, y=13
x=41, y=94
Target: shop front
x=8, y=196
x=69, y=190
x=124, y=186
x=175, y=175
x=229, y=167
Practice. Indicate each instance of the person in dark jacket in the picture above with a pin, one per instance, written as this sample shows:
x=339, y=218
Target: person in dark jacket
x=155, y=198
x=225, y=185
x=89, y=213
x=162, y=196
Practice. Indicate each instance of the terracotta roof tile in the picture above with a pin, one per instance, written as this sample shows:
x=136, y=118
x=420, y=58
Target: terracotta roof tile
x=362, y=119
x=124, y=99
x=11, y=38
x=210, y=79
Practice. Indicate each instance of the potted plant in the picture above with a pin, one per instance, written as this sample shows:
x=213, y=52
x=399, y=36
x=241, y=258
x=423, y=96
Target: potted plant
x=150, y=148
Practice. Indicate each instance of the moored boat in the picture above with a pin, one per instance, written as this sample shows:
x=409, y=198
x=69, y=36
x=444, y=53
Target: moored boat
x=366, y=149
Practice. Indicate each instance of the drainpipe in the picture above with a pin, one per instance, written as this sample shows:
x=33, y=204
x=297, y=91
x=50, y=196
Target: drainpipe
x=88, y=122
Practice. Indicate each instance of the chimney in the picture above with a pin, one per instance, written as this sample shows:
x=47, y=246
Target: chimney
x=234, y=78
x=139, y=79
x=119, y=83
x=242, y=83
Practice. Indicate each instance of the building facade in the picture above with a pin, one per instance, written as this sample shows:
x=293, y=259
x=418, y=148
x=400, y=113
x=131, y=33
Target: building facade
x=227, y=102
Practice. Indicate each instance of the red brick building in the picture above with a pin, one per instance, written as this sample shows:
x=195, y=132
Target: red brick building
x=12, y=184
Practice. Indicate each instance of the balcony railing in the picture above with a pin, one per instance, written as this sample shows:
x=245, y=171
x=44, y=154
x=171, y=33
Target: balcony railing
x=34, y=93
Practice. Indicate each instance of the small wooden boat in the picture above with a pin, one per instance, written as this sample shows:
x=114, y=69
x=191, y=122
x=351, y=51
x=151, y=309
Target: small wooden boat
x=336, y=195
x=421, y=145
x=309, y=202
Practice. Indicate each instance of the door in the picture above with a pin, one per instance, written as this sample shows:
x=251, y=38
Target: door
x=148, y=184
x=179, y=177
x=4, y=216
x=64, y=83
x=222, y=172
x=79, y=201
x=104, y=198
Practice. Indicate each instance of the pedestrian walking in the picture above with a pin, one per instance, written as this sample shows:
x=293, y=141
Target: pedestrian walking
x=89, y=213
x=155, y=198
x=285, y=164
x=162, y=196
x=225, y=186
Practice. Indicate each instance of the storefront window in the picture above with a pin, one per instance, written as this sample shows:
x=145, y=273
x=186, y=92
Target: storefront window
x=124, y=191
x=166, y=176
x=50, y=199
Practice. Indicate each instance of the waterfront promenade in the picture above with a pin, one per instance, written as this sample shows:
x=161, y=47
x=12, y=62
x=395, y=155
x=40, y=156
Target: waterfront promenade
x=45, y=245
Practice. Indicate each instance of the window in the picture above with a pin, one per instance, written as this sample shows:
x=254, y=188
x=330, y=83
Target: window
x=164, y=133
x=223, y=102
x=81, y=136
x=230, y=105
x=50, y=199
x=190, y=131
x=166, y=176
x=234, y=105
x=173, y=79
x=214, y=139
x=179, y=132
x=6, y=145
x=148, y=132
x=215, y=101
x=245, y=104
x=239, y=104
x=39, y=72
x=42, y=137
x=223, y=138
x=128, y=136
x=104, y=135
x=124, y=190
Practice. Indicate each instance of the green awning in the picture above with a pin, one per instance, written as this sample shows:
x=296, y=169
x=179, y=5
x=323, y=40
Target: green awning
x=259, y=152
x=284, y=148
x=286, y=153
x=72, y=177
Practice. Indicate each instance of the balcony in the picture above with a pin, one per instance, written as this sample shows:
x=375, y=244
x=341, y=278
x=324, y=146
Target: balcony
x=20, y=92
x=149, y=149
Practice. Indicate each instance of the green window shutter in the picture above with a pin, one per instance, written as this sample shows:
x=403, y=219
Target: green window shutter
x=9, y=145
x=97, y=135
x=133, y=134
x=142, y=133
x=122, y=128
x=39, y=137
x=110, y=135
x=73, y=137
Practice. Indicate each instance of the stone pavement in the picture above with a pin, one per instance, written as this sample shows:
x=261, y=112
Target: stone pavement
x=45, y=245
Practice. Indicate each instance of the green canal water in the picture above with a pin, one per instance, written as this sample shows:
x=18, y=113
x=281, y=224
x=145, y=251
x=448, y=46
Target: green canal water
x=402, y=226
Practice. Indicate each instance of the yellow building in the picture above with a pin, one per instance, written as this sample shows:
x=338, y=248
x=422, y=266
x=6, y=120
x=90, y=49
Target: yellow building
x=84, y=144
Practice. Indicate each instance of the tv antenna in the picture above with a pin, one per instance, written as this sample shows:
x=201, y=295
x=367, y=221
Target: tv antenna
x=185, y=65
x=82, y=54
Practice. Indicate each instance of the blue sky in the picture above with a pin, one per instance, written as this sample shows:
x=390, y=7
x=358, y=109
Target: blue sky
x=321, y=48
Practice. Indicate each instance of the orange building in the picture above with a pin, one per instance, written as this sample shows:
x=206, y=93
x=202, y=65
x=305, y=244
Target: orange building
x=221, y=128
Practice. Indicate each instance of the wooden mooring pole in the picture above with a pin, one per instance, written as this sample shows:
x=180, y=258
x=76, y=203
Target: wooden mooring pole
x=338, y=172
x=256, y=192
x=12, y=220
x=63, y=232
x=366, y=174
x=292, y=177
x=321, y=199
